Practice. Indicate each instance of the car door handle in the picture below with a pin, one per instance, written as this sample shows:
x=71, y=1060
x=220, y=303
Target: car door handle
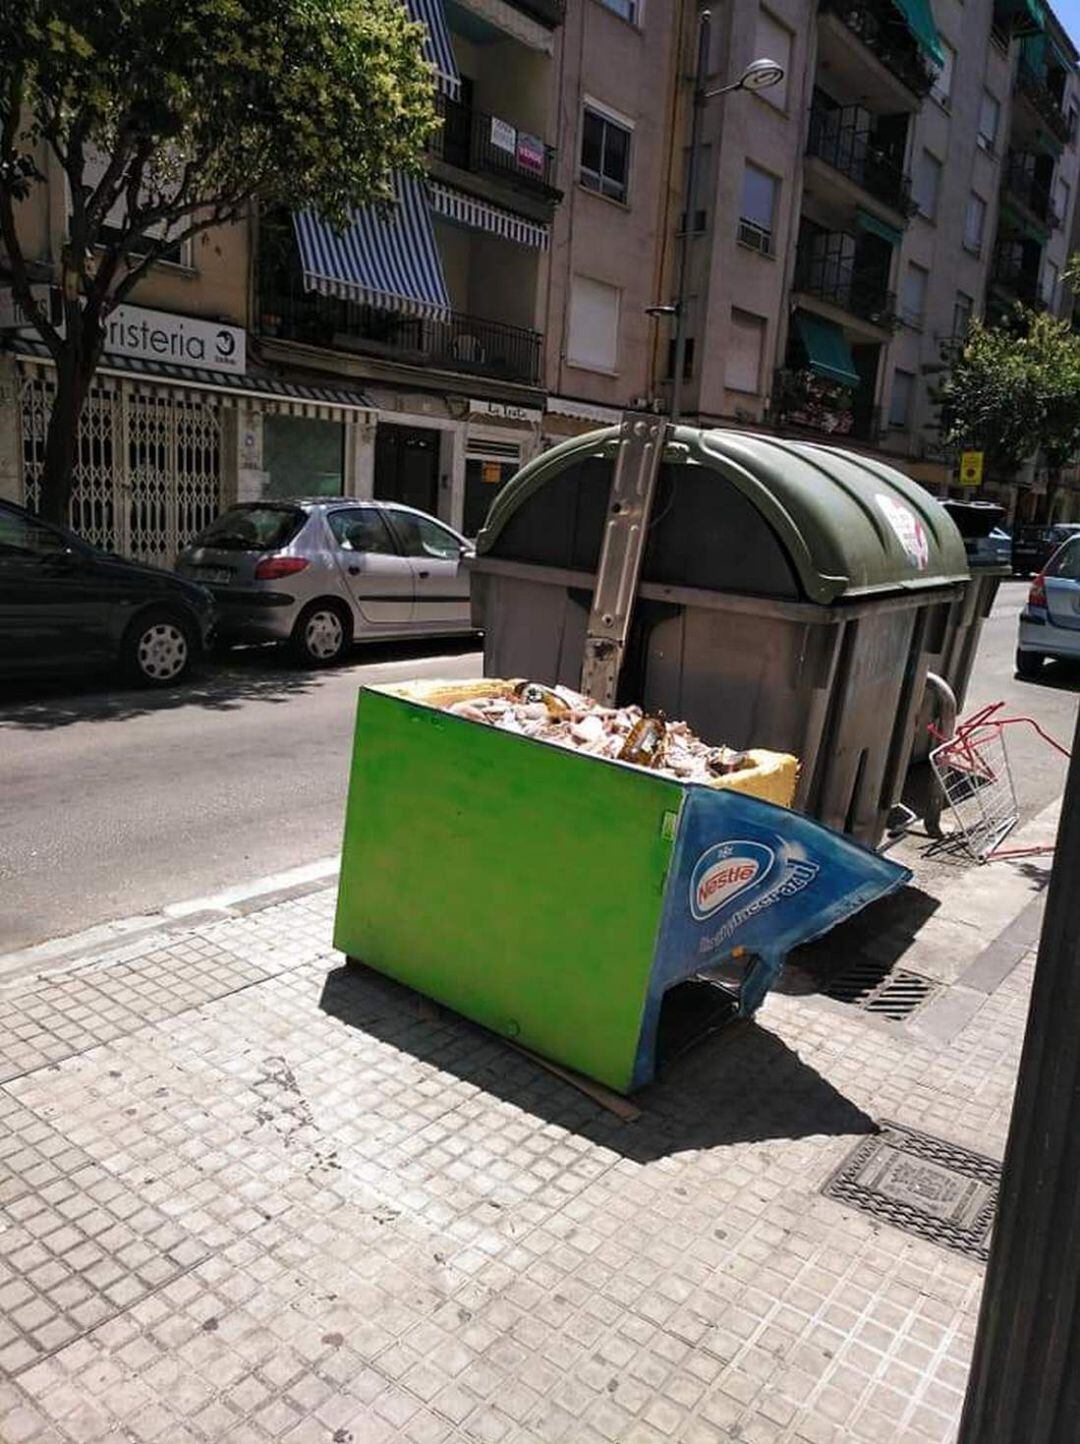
x=354, y=571
x=423, y=574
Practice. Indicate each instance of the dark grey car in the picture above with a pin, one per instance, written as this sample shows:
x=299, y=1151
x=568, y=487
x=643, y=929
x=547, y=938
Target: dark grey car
x=322, y=573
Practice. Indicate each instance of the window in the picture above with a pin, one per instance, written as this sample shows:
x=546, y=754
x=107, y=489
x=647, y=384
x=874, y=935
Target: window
x=913, y=301
x=594, y=324
x=772, y=41
x=1062, y=197
x=927, y=183
x=989, y=116
x=903, y=388
x=974, y=223
x=95, y=165
x=605, y=153
x=1065, y=563
x=745, y=349
x=759, y=193
x=24, y=536
x=422, y=537
x=963, y=309
x=941, y=89
x=1050, y=284
x=628, y=9
x=252, y=529
x=362, y=529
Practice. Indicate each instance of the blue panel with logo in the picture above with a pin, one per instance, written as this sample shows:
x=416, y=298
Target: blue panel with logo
x=749, y=881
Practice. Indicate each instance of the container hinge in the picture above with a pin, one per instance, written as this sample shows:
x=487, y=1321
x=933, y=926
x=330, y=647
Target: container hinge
x=640, y=449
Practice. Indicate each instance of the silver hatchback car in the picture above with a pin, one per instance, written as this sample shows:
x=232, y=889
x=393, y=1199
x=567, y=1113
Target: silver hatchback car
x=321, y=573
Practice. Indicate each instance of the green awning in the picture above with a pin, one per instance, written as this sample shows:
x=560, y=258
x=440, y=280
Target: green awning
x=827, y=352
x=1033, y=52
x=868, y=222
x=1017, y=223
x=920, y=21
x=1028, y=17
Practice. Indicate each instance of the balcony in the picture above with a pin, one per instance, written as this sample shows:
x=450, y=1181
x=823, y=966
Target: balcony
x=1033, y=86
x=839, y=139
x=474, y=141
x=1024, y=188
x=548, y=12
x=860, y=291
x=802, y=401
x=457, y=343
x=1011, y=271
x=878, y=25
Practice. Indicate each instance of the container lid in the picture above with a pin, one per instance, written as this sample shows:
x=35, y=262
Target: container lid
x=851, y=525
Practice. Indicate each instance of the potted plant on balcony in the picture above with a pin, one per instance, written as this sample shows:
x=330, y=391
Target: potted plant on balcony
x=803, y=398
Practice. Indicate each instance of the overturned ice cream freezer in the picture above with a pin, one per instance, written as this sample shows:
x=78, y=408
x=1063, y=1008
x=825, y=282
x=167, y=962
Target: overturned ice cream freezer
x=562, y=872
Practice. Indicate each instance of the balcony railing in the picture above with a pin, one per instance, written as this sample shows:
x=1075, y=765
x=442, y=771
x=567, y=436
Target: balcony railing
x=858, y=291
x=1021, y=184
x=456, y=343
x=878, y=25
x=475, y=141
x=1031, y=84
x=802, y=401
x=839, y=139
x=1009, y=271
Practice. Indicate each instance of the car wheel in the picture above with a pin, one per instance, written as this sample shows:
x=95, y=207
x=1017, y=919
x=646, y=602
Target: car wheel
x=1029, y=664
x=321, y=635
x=158, y=649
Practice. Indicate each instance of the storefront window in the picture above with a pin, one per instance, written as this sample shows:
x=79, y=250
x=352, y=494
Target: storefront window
x=303, y=457
x=484, y=479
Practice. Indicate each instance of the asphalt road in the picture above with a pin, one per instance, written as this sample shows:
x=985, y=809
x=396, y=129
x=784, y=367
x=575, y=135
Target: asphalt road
x=114, y=803
x=120, y=802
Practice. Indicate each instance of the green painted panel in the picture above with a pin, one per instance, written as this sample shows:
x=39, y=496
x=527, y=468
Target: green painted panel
x=519, y=883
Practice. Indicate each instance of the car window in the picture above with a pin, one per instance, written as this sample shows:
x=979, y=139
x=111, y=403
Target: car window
x=1065, y=563
x=24, y=536
x=362, y=529
x=422, y=537
x=252, y=529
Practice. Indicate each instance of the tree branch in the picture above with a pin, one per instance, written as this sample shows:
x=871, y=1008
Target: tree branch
x=20, y=278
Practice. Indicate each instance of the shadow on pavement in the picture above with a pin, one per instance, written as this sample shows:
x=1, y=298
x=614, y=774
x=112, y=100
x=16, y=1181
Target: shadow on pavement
x=222, y=683
x=1062, y=676
x=742, y=1085
x=875, y=940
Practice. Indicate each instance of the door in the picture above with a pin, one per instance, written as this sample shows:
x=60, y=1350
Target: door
x=407, y=466
x=54, y=609
x=442, y=584
x=484, y=479
x=378, y=578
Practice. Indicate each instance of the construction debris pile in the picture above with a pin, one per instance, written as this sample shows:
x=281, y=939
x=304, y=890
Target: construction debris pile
x=622, y=734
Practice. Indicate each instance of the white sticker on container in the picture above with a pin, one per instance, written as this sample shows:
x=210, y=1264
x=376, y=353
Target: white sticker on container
x=909, y=530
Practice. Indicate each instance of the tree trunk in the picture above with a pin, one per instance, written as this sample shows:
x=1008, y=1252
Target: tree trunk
x=74, y=371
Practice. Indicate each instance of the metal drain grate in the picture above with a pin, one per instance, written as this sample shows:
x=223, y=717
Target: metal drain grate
x=869, y=986
x=924, y=1186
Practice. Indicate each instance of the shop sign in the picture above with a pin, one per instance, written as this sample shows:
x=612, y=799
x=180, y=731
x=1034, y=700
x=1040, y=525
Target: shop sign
x=530, y=154
x=178, y=340
x=971, y=468
x=12, y=315
x=503, y=136
x=504, y=410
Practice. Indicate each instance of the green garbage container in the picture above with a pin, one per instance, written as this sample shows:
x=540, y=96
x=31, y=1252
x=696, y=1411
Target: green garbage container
x=790, y=596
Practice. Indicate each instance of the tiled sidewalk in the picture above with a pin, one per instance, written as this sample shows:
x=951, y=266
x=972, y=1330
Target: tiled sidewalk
x=247, y=1194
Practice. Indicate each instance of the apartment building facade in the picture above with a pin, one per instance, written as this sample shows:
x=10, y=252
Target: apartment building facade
x=915, y=166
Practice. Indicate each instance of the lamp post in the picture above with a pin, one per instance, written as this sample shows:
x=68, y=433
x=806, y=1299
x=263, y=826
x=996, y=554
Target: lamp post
x=758, y=75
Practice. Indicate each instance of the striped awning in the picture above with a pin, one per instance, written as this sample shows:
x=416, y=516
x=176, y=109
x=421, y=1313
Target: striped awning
x=437, y=48
x=480, y=215
x=384, y=258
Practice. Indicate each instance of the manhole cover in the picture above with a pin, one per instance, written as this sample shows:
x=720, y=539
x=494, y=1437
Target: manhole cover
x=924, y=1186
x=875, y=989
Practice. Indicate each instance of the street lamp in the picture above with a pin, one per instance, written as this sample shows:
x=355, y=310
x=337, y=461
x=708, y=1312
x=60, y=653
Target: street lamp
x=758, y=75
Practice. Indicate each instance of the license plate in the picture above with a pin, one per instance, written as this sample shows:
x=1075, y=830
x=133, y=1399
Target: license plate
x=213, y=574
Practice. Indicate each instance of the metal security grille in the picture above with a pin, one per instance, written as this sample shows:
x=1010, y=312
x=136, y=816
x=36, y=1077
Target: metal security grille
x=149, y=471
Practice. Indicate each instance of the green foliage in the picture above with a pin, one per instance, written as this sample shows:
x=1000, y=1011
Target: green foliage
x=1013, y=389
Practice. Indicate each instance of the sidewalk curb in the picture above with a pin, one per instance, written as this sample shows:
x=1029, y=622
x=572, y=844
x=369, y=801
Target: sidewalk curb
x=236, y=902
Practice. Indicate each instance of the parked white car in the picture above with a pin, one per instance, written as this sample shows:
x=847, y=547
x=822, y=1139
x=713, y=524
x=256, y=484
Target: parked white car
x=1050, y=623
